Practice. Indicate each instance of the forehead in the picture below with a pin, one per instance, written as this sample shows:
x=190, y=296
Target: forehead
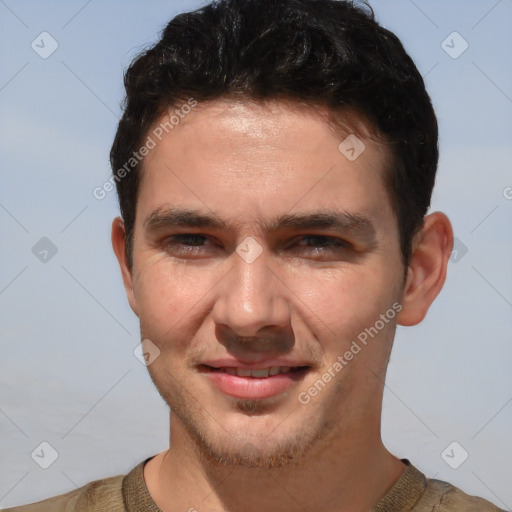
x=260, y=159
x=252, y=123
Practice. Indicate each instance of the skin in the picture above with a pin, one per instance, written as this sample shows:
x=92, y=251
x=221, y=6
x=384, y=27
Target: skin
x=303, y=298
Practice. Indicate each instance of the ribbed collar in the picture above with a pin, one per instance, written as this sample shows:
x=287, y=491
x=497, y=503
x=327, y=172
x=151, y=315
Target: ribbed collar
x=402, y=496
x=135, y=493
x=405, y=492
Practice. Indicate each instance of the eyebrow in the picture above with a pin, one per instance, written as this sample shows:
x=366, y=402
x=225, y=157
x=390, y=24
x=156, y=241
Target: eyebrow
x=174, y=217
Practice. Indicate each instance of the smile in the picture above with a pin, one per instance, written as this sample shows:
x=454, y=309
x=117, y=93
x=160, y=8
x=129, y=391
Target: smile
x=254, y=383
x=257, y=372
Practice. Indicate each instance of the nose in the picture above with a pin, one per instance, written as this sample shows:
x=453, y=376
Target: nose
x=251, y=298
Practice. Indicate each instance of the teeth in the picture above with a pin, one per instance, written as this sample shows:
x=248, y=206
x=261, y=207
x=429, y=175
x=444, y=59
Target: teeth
x=256, y=372
x=243, y=372
x=261, y=372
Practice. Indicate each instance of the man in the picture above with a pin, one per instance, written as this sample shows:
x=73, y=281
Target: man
x=274, y=166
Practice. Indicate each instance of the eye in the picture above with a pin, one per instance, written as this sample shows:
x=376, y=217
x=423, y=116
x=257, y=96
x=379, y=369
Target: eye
x=320, y=244
x=324, y=241
x=185, y=244
x=194, y=244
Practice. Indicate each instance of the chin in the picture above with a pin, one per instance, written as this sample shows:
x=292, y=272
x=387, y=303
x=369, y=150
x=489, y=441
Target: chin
x=255, y=442
x=253, y=454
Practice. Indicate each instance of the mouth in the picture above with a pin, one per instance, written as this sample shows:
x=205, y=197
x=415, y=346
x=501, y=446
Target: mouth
x=254, y=382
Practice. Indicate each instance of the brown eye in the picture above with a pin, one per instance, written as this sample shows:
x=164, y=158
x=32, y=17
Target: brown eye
x=188, y=244
x=191, y=240
x=321, y=248
x=322, y=242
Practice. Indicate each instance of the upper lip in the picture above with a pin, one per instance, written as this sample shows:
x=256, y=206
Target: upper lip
x=236, y=363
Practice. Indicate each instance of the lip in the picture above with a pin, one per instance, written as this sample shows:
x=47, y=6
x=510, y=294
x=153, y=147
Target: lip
x=263, y=363
x=253, y=387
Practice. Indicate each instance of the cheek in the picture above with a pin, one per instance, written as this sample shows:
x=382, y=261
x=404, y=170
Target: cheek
x=344, y=311
x=345, y=298
x=168, y=298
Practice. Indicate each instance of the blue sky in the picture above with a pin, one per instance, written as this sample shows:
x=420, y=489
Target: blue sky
x=69, y=376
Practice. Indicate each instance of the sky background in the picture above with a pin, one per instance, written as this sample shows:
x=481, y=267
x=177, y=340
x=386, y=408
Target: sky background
x=68, y=374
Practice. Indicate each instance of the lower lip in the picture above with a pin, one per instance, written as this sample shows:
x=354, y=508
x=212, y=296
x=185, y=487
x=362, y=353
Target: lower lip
x=253, y=387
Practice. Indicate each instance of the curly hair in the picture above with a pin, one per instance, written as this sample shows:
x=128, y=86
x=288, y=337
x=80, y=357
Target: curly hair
x=328, y=53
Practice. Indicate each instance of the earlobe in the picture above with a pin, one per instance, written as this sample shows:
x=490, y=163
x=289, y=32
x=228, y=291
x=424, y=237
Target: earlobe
x=119, y=246
x=426, y=273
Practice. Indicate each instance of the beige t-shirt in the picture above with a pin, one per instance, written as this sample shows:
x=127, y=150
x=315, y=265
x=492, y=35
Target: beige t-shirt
x=412, y=492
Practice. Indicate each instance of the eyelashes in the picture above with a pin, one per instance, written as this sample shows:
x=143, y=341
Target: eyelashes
x=196, y=245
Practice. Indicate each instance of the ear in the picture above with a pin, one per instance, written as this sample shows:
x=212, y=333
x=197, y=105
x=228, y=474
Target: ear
x=426, y=273
x=119, y=246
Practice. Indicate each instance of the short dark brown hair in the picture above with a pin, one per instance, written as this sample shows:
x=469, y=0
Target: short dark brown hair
x=330, y=53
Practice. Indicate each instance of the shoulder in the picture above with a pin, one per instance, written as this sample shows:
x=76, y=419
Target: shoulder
x=105, y=494
x=445, y=497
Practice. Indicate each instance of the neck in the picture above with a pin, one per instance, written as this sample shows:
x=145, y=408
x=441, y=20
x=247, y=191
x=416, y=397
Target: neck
x=348, y=473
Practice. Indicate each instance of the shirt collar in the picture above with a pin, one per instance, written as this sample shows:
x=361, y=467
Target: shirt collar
x=401, y=497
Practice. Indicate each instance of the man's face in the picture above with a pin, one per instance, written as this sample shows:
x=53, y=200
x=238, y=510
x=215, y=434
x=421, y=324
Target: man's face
x=219, y=305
